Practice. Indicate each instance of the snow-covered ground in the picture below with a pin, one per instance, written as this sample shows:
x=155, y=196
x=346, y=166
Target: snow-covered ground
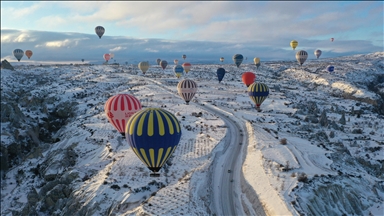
x=301, y=158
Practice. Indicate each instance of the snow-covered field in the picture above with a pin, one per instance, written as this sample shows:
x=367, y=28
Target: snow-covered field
x=316, y=148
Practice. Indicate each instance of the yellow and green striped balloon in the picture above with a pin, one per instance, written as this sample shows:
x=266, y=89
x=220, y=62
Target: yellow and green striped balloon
x=258, y=92
x=153, y=134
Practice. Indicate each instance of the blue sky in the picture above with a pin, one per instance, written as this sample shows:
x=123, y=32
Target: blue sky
x=204, y=31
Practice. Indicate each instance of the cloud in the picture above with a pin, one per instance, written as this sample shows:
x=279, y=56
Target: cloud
x=117, y=49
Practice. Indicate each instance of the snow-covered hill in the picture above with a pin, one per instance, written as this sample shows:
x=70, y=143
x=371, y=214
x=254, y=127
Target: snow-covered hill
x=316, y=148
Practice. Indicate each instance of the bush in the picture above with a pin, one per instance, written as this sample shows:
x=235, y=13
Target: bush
x=302, y=177
x=283, y=141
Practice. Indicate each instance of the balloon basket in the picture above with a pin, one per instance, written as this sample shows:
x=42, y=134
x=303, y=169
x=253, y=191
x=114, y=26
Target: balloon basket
x=154, y=175
x=122, y=135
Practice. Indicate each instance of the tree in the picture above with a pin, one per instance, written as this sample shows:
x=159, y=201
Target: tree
x=342, y=119
x=323, y=119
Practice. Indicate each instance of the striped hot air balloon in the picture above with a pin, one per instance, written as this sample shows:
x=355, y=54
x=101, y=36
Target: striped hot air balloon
x=220, y=74
x=99, y=31
x=119, y=109
x=178, y=69
x=257, y=62
x=294, y=44
x=318, y=53
x=187, y=89
x=237, y=59
x=18, y=53
x=301, y=56
x=143, y=66
x=153, y=134
x=186, y=66
x=258, y=92
x=248, y=78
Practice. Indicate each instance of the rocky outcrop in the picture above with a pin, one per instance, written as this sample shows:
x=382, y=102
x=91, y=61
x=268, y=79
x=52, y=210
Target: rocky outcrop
x=6, y=65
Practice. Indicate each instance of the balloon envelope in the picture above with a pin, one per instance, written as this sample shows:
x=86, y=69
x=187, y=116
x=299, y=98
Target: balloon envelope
x=248, y=78
x=294, y=44
x=184, y=56
x=178, y=69
x=119, y=109
x=238, y=58
x=143, y=66
x=163, y=64
x=106, y=56
x=332, y=39
x=153, y=134
x=111, y=55
x=99, y=31
x=258, y=92
x=187, y=89
x=301, y=56
x=28, y=53
x=18, y=53
x=158, y=61
x=318, y=53
x=186, y=66
x=176, y=61
x=222, y=59
x=257, y=62
x=220, y=74
x=330, y=68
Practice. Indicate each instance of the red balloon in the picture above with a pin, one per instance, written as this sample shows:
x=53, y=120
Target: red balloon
x=107, y=56
x=119, y=109
x=248, y=78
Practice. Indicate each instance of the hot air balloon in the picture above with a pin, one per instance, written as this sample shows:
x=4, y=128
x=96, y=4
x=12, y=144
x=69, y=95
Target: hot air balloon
x=257, y=62
x=294, y=44
x=317, y=53
x=176, y=61
x=153, y=134
x=143, y=66
x=332, y=39
x=301, y=56
x=18, y=53
x=330, y=68
x=238, y=58
x=184, y=56
x=186, y=66
x=82, y=60
x=258, y=92
x=220, y=74
x=158, y=61
x=106, y=57
x=222, y=59
x=178, y=69
x=112, y=55
x=163, y=64
x=99, y=31
x=119, y=109
x=28, y=53
x=248, y=78
x=187, y=89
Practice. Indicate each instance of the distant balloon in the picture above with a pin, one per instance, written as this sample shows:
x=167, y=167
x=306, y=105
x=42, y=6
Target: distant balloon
x=99, y=31
x=28, y=53
x=153, y=134
x=186, y=66
x=332, y=39
x=106, y=57
x=222, y=59
x=237, y=59
x=18, y=53
x=143, y=66
x=82, y=60
x=163, y=64
x=158, y=61
x=257, y=62
x=301, y=56
x=317, y=53
x=119, y=109
x=184, y=56
x=330, y=68
x=248, y=78
x=176, y=61
x=220, y=74
x=112, y=55
x=258, y=92
x=187, y=89
x=178, y=69
x=294, y=44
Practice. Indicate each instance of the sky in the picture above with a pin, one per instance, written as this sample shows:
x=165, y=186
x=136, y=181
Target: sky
x=202, y=30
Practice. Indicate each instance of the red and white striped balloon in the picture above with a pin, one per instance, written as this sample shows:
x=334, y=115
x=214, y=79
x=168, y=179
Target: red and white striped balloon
x=119, y=109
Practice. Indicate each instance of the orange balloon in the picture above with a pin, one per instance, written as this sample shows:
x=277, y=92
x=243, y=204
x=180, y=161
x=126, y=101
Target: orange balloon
x=28, y=53
x=248, y=78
